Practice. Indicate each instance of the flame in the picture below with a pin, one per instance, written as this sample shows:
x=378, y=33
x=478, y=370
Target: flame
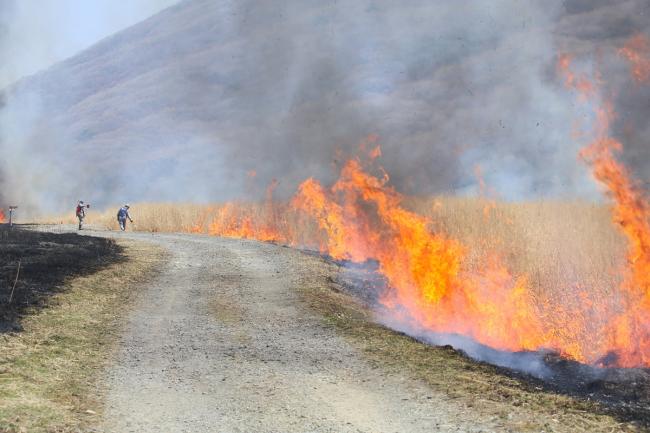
x=572, y=80
x=637, y=51
x=436, y=283
x=629, y=331
x=364, y=220
x=431, y=284
x=3, y=218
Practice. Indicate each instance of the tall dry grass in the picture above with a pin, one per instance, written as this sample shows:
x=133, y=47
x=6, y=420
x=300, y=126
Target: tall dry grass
x=558, y=244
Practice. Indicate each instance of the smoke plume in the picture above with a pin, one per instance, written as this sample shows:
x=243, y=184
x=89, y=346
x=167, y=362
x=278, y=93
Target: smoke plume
x=183, y=105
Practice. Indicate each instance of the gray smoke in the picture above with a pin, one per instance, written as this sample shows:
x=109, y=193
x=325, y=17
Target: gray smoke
x=526, y=362
x=183, y=105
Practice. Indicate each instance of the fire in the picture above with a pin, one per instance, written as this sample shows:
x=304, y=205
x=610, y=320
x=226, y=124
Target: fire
x=436, y=283
x=364, y=220
x=573, y=80
x=431, y=285
x=629, y=332
x=637, y=51
x=2, y=216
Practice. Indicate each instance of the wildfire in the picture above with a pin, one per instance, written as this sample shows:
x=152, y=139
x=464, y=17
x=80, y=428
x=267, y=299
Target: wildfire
x=2, y=216
x=364, y=220
x=629, y=332
x=637, y=51
x=573, y=80
x=431, y=285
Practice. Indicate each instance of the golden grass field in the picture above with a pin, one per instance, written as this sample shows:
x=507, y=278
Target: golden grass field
x=554, y=243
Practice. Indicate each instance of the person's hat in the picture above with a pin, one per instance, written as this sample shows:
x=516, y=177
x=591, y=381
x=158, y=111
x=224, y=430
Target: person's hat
x=127, y=205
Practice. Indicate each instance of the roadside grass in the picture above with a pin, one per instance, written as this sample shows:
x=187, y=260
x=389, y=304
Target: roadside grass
x=557, y=245
x=518, y=405
x=49, y=370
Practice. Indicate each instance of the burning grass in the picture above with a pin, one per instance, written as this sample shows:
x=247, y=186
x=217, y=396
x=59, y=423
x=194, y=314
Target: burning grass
x=521, y=280
x=568, y=251
x=519, y=402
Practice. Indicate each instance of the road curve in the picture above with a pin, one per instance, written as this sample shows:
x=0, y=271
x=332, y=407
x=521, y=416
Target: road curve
x=220, y=342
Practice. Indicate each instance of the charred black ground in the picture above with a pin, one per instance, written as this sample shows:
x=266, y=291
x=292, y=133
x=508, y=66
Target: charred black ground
x=620, y=392
x=46, y=261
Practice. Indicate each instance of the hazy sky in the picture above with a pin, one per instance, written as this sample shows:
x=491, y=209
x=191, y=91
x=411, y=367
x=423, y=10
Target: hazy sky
x=36, y=33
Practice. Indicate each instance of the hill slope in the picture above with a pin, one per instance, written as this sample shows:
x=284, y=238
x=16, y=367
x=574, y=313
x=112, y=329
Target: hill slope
x=184, y=104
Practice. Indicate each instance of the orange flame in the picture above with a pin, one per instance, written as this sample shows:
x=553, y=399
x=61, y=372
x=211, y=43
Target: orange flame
x=637, y=51
x=430, y=284
x=2, y=216
x=572, y=80
x=629, y=331
x=431, y=287
x=364, y=220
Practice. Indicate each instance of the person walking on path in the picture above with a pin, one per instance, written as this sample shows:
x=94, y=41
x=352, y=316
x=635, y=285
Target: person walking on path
x=122, y=215
x=81, y=212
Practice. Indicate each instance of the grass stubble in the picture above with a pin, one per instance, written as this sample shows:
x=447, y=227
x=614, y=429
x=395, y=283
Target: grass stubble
x=51, y=369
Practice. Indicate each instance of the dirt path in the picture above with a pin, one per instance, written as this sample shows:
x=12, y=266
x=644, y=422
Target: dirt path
x=220, y=342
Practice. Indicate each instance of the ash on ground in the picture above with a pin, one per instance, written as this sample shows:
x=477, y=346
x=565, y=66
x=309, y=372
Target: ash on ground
x=46, y=260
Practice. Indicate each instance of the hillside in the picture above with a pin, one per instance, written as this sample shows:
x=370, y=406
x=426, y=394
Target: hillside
x=183, y=105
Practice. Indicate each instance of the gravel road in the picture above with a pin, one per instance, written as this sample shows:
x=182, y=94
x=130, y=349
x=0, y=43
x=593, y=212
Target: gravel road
x=220, y=342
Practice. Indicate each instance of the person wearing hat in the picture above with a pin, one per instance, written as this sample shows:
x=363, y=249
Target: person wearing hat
x=122, y=215
x=81, y=212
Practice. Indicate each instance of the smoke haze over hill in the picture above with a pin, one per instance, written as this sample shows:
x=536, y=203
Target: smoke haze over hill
x=184, y=104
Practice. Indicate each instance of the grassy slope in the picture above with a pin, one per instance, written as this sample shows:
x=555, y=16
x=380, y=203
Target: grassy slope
x=48, y=372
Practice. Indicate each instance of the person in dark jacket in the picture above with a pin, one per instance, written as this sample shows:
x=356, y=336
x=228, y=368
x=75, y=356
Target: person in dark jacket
x=122, y=216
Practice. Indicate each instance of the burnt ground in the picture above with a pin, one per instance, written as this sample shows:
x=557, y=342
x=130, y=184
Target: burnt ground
x=620, y=392
x=46, y=261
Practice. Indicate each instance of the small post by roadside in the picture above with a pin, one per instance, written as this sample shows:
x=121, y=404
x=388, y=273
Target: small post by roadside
x=11, y=214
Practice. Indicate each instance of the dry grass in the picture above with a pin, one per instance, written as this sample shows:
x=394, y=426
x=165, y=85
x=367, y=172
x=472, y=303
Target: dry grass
x=49, y=370
x=569, y=252
x=556, y=244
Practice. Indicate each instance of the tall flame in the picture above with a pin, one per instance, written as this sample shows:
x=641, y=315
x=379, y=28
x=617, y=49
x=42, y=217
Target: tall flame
x=364, y=220
x=437, y=283
x=629, y=332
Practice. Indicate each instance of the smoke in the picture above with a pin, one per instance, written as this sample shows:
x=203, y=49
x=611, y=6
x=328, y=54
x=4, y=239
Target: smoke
x=34, y=34
x=183, y=105
x=37, y=168
x=526, y=362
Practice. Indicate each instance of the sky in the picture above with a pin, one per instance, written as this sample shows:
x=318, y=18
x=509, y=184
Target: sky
x=59, y=29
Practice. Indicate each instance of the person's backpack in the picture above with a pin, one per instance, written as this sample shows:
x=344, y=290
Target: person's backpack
x=79, y=210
